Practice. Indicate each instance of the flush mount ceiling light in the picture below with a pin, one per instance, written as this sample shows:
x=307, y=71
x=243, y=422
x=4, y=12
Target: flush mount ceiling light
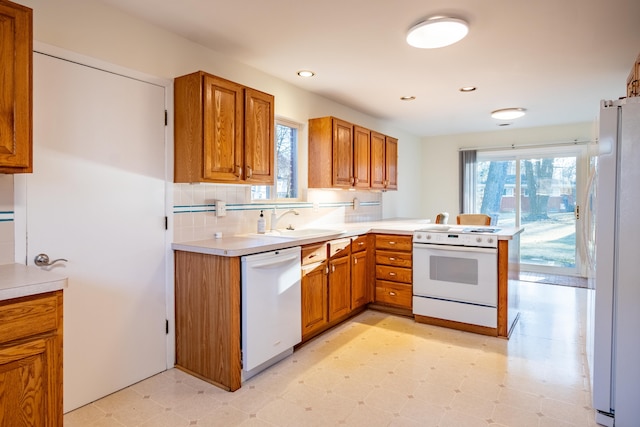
x=436, y=32
x=508, y=113
x=306, y=73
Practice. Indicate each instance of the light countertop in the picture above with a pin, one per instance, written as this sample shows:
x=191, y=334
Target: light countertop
x=248, y=244
x=19, y=280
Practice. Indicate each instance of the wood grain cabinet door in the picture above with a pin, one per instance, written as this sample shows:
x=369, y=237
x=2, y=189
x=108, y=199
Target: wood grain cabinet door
x=258, y=136
x=314, y=297
x=391, y=163
x=361, y=157
x=16, y=117
x=378, y=166
x=342, y=153
x=222, y=129
x=360, y=289
x=339, y=287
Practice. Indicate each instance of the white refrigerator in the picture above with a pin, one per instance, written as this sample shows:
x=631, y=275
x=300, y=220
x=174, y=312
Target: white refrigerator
x=616, y=340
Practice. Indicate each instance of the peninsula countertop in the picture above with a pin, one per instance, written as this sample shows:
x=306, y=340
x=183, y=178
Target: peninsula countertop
x=19, y=280
x=251, y=243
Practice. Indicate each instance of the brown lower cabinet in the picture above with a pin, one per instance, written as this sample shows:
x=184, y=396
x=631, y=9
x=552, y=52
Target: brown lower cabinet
x=207, y=298
x=31, y=361
x=394, y=274
x=339, y=278
x=315, y=272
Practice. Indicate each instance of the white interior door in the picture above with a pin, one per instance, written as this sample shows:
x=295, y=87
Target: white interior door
x=96, y=198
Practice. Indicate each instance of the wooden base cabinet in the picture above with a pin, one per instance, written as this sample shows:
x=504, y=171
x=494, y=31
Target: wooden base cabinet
x=207, y=304
x=31, y=361
x=339, y=279
x=16, y=88
x=394, y=274
x=315, y=272
x=361, y=289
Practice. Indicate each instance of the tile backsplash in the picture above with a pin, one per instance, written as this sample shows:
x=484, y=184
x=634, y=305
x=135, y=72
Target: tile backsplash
x=195, y=210
x=7, y=234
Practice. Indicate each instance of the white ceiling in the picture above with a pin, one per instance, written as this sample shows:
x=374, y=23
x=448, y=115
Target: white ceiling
x=556, y=58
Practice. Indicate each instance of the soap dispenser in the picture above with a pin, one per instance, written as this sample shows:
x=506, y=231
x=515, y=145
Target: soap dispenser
x=261, y=224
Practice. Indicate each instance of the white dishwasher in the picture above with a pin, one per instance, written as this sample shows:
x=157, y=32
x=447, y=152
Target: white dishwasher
x=271, y=308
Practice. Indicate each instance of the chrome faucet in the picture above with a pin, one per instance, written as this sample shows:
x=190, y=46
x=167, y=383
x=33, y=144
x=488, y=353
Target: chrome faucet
x=275, y=218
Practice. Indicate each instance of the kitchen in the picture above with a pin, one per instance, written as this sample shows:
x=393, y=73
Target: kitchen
x=416, y=157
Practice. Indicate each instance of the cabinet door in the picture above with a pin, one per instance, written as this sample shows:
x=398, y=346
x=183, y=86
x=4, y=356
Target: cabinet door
x=342, y=153
x=360, y=289
x=339, y=287
x=30, y=391
x=258, y=137
x=314, y=297
x=223, y=129
x=16, y=41
x=361, y=157
x=391, y=163
x=378, y=166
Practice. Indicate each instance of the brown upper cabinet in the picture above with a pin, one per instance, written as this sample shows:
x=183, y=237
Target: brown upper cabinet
x=344, y=155
x=384, y=162
x=16, y=88
x=633, y=81
x=223, y=131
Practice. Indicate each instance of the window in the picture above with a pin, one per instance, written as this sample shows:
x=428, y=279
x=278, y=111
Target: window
x=286, y=165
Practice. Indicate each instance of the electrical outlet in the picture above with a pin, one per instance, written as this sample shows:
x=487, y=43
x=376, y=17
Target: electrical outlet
x=221, y=208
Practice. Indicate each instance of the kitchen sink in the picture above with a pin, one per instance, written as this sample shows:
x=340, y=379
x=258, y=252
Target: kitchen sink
x=302, y=233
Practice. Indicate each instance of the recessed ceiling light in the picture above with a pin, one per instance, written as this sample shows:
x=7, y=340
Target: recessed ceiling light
x=508, y=113
x=407, y=98
x=438, y=31
x=467, y=89
x=306, y=73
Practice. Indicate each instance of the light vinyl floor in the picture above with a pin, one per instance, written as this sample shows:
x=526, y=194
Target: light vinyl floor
x=383, y=370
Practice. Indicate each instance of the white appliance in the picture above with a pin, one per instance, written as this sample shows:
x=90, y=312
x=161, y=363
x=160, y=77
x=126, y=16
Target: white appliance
x=455, y=274
x=271, y=308
x=616, y=365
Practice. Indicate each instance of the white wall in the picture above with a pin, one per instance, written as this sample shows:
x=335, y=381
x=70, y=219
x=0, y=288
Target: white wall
x=93, y=29
x=440, y=190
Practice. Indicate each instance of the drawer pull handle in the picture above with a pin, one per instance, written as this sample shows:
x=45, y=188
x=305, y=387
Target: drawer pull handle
x=392, y=243
x=393, y=294
x=392, y=274
x=360, y=243
x=313, y=255
x=391, y=259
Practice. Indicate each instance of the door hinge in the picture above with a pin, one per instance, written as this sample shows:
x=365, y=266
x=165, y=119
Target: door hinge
x=166, y=117
x=577, y=211
x=166, y=222
x=166, y=326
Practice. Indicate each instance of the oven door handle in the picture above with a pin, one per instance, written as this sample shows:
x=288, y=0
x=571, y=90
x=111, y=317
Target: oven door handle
x=427, y=246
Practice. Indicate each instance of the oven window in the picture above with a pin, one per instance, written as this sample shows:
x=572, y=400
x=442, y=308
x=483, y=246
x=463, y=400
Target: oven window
x=451, y=269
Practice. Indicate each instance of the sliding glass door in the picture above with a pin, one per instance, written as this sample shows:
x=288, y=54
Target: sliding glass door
x=540, y=190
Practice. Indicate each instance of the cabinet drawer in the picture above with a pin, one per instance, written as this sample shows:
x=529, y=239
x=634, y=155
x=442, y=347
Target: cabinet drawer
x=359, y=243
x=398, y=259
x=394, y=242
x=314, y=253
x=29, y=316
x=339, y=247
x=394, y=294
x=394, y=274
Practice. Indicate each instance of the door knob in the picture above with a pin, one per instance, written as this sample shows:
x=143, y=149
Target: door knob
x=42, y=260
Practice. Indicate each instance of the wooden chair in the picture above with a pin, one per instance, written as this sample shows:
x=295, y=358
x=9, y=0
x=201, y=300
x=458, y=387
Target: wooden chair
x=442, y=218
x=473, y=219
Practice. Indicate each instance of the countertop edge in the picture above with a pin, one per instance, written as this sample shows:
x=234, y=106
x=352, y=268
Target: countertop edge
x=242, y=245
x=19, y=280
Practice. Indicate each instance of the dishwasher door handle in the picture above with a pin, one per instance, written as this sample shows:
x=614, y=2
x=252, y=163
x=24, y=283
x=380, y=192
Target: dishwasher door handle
x=275, y=263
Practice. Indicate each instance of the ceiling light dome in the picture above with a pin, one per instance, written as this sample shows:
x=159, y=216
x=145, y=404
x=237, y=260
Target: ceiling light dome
x=436, y=32
x=508, y=113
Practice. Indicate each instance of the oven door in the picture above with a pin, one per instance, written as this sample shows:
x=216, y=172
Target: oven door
x=456, y=273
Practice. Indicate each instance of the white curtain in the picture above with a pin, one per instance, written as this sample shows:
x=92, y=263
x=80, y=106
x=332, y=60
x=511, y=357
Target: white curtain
x=468, y=181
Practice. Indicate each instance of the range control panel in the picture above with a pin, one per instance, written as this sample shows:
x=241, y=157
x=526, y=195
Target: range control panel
x=472, y=239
